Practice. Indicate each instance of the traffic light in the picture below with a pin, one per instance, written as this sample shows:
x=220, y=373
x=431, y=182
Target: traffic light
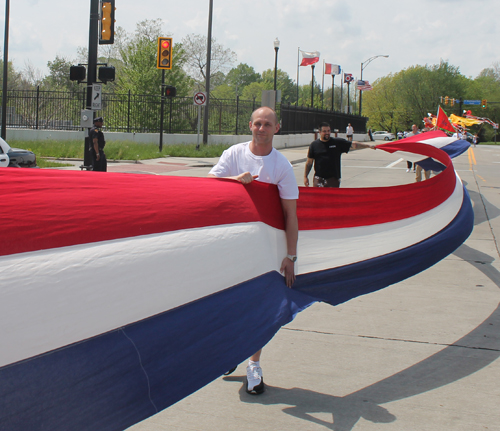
x=107, y=23
x=446, y=100
x=106, y=73
x=164, y=57
x=77, y=73
x=484, y=103
x=170, y=91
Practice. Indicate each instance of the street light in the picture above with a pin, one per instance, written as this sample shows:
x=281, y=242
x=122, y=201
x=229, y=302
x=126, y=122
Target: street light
x=276, y=48
x=363, y=65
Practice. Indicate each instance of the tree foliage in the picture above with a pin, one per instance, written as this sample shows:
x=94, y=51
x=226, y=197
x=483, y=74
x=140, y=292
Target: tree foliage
x=399, y=100
x=195, y=47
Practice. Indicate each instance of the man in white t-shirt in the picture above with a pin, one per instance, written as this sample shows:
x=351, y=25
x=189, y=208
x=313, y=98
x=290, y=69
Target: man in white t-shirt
x=349, y=131
x=258, y=160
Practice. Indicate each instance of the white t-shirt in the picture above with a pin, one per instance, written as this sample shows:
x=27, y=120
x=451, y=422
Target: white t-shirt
x=349, y=130
x=273, y=168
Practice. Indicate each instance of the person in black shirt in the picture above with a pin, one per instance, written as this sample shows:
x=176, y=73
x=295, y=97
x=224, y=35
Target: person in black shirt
x=325, y=154
x=97, y=144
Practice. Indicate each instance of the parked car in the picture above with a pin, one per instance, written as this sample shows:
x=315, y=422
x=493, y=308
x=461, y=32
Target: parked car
x=16, y=157
x=382, y=135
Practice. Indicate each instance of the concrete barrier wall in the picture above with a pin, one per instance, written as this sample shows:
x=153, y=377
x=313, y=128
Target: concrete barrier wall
x=280, y=141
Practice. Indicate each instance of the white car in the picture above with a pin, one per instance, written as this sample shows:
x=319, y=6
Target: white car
x=16, y=157
x=385, y=136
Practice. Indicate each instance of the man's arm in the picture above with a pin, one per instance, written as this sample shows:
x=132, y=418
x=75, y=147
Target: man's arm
x=309, y=165
x=358, y=146
x=292, y=235
x=96, y=147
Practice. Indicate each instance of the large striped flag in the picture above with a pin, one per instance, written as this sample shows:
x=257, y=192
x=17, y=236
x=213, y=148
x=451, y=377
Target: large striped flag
x=115, y=288
x=309, y=58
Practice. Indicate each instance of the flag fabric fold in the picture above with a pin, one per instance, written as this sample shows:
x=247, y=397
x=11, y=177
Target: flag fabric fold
x=309, y=58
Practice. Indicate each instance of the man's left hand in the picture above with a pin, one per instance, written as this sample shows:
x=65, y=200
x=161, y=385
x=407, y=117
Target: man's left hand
x=288, y=270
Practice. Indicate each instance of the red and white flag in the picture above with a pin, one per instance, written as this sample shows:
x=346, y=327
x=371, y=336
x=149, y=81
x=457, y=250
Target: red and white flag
x=332, y=69
x=309, y=58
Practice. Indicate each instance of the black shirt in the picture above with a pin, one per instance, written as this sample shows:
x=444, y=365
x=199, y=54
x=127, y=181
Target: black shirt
x=326, y=156
x=96, y=133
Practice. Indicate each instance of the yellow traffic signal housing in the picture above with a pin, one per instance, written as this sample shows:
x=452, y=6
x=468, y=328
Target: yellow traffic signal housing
x=452, y=102
x=164, y=57
x=107, y=23
x=484, y=103
x=446, y=100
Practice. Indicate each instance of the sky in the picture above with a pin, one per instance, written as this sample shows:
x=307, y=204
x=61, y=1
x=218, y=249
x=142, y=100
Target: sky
x=464, y=33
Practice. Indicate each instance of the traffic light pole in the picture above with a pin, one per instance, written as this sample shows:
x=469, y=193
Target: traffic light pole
x=5, y=70
x=207, y=74
x=91, y=70
x=162, y=107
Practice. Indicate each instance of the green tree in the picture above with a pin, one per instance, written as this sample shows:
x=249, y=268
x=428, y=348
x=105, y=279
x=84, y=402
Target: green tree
x=405, y=98
x=283, y=83
x=58, y=78
x=241, y=76
x=254, y=91
x=195, y=60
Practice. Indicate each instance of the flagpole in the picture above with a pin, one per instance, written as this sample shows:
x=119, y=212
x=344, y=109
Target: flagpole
x=312, y=86
x=349, y=97
x=298, y=66
x=342, y=92
x=323, y=85
x=333, y=89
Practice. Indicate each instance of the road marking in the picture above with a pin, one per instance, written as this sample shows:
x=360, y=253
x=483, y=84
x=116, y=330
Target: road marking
x=394, y=163
x=472, y=158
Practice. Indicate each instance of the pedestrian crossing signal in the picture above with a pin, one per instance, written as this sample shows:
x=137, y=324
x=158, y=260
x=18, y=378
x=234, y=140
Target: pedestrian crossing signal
x=164, y=57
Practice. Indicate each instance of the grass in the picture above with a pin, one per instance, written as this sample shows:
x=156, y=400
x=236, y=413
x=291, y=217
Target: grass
x=116, y=150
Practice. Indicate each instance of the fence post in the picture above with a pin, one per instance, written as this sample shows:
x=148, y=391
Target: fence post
x=37, y=105
x=128, y=112
x=237, y=111
x=170, y=117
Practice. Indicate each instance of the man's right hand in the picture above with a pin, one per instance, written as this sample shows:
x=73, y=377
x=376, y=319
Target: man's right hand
x=306, y=181
x=246, y=178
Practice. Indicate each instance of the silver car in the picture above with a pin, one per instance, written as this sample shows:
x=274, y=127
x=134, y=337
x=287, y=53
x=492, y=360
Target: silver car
x=383, y=136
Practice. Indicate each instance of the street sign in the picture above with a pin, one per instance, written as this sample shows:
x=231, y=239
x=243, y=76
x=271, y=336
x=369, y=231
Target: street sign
x=472, y=102
x=96, y=97
x=200, y=98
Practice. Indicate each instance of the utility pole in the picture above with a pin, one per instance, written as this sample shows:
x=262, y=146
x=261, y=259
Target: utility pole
x=5, y=70
x=207, y=73
x=91, y=70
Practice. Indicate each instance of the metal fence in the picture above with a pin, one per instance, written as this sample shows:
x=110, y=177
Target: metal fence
x=127, y=112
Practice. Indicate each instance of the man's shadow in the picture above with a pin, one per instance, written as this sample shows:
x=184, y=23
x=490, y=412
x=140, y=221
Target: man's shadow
x=466, y=356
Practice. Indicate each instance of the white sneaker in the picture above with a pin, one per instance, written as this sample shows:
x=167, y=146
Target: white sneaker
x=255, y=381
x=408, y=170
